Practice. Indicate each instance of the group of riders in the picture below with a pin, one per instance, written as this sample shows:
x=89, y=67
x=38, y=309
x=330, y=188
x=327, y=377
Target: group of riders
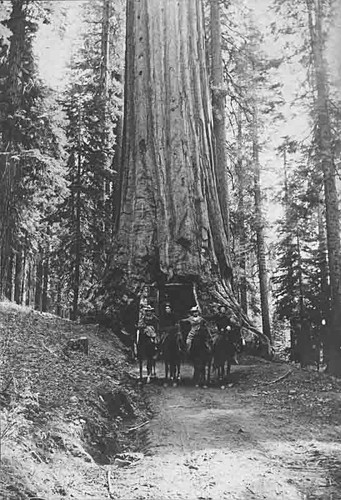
x=189, y=327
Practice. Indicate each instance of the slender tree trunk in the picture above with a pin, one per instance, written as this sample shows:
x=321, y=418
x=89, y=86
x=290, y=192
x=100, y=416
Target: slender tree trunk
x=78, y=234
x=9, y=282
x=18, y=276
x=107, y=139
x=45, y=288
x=13, y=98
x=39, y=282
x=324, y=139
x=241, y=218
x=261, y=248
x=303, y=339
x=295, y=345
x=59, y=309
x=324, y=273
x=218, y=104
x=24, y=274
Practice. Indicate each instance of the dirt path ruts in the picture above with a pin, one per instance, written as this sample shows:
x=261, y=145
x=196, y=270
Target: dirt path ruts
x=224, y=444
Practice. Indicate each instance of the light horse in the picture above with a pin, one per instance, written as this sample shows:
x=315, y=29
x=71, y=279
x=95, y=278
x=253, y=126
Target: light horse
x=146, y=349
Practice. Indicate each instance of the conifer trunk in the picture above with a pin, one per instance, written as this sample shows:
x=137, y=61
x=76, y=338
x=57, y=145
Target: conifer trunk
x=39, y=281
x=10, y=172
x=46, y=272
x=259, y=220
x=324, y=273
x=241, y=219
x=18, y=275
x=218, y=104
x=78, y=234
x=324, y=139
x=171, y=221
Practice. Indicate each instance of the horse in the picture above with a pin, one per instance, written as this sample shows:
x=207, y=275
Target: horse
x=146, y=349
x=201, y=356
x=225, y=347
x=172, y=351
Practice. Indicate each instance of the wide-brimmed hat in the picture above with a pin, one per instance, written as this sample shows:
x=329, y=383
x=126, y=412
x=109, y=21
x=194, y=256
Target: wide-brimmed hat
x=194, y=309
x=148, y=308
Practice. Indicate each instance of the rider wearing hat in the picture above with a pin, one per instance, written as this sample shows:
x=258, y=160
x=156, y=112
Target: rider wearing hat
x=149, y=322
x=223, y=319
x=196, y=321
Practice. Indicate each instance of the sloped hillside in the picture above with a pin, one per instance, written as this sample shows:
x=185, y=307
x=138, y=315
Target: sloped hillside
x=64, y=413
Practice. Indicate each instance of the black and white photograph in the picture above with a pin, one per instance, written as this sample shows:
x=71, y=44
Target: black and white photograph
x=170, y=249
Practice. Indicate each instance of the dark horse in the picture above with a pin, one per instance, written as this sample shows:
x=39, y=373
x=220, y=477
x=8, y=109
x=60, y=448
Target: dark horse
x=147, y=348
x=201, y=357
x=172, y=352
x=225, y=347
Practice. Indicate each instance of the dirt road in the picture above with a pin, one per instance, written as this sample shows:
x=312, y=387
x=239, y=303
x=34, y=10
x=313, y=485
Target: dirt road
x=262, y=438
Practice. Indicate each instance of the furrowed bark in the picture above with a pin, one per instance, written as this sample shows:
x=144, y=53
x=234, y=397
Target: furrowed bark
x=170, y=209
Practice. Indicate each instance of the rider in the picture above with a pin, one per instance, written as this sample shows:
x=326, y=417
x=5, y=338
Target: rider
x=167, y=322
x=196, y=321
x=168, y=319
x=225, y=325
x=149, y=323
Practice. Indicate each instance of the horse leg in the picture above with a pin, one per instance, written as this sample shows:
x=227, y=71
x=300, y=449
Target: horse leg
x=219, y=373
x=149, y=369
x=172, y=373
x=206, y=378
x=209, y=372
x=141, y=368
x=222, y=376
x=203, y=377
x=178, y=366
x=196, y=376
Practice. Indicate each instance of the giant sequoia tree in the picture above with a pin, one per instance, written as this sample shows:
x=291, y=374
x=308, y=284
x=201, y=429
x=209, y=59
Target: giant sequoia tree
x=171, y=220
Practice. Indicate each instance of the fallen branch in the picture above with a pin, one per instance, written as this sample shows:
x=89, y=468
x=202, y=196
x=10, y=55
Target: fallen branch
x=138, y=426
x=279, y=378
x=49, y=350
x=110, y=489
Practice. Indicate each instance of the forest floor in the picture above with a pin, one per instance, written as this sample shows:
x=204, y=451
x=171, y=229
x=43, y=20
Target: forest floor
x=273, y=433
x=264, y=437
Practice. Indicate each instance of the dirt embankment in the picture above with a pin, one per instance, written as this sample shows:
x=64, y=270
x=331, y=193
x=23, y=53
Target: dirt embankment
x=78, y=426
x=63, y=412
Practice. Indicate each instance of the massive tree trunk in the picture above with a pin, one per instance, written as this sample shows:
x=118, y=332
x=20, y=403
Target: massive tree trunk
x=171, y=222
x=324, y=140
